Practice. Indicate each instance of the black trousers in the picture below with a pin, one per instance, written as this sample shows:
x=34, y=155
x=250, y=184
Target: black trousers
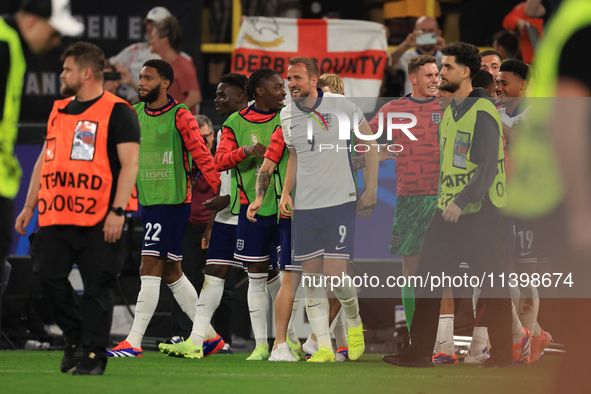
x=478, y=238
x=6, y=226
x=55, y=249
x=193, y=264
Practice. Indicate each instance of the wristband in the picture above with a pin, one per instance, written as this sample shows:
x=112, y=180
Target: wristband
x=244, y=151
x=28, y=206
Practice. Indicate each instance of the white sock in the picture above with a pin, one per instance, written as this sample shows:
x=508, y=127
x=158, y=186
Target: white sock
x=339, y=329
x=516, y=326
x=445, y=335
x=317, y=308
x=475, y=297
x=347, y=295
x=291, y=334
x=273, y=286
x=479, y=341
x=515, y=295
x=211, y=295
x=529, y=306
x=185, y=295
x=147, y=300
x=258, y=306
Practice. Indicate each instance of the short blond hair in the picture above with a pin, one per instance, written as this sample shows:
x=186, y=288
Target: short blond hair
x=334, y=83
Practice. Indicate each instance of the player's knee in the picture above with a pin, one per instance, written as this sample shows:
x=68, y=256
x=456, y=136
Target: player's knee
x=172, y=272
x=261, y=268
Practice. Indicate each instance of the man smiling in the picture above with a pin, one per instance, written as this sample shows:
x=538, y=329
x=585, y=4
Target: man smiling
x=245, y=138
x=417, y=169
x=325, y=201
x=168, y=131
x=467, y=225
x=491, y=61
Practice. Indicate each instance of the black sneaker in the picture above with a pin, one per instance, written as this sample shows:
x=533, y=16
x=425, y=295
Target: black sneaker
x=93, y=363
x=72, y=356
x=494, y=363
x=408, y=359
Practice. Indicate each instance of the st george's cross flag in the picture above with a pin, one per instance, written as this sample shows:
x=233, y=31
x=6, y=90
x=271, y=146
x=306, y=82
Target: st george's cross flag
x=354, y=50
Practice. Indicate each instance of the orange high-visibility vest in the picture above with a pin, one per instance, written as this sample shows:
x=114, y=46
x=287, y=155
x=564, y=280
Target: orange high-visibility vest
x=76, y=176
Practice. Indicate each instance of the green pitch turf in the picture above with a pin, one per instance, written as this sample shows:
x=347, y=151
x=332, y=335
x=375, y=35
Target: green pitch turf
x=38, y=372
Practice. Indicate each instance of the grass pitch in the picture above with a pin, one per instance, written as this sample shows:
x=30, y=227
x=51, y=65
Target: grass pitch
x=38, y=372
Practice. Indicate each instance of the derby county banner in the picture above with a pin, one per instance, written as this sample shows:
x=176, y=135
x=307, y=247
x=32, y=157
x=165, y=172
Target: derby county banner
x=354, y=50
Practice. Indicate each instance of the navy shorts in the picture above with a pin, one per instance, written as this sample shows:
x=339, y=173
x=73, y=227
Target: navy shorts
x=164, y=229
x=286, y=261
x=327, y=232
x=527, y=249
x=222, y=244
x=256, y=242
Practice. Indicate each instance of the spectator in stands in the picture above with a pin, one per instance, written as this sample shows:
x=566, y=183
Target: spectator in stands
x=506, y=43
x=400, y=17
x=129, y=62
x=541, y=9
x=421, y=38
x=166, y=41
x=491, y=61
x=484, y=79
x=530, y=30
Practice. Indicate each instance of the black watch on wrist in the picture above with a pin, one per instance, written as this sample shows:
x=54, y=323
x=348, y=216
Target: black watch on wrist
x=118, y=211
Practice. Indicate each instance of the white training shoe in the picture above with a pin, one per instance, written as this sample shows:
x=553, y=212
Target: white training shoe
x=310, y=347
x=282, y=353
x=478, y=358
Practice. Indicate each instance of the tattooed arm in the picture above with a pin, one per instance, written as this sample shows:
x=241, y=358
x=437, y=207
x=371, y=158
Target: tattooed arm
x=358, y=162
x=263, y=180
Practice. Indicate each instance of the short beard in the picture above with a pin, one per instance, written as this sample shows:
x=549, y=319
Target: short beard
x=450, y=86
x=67, y=90
x=151, y=96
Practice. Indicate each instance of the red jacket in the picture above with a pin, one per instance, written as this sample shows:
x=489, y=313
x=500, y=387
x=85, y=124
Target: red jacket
x=510, y=23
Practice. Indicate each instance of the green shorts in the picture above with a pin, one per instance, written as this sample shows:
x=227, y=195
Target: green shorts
x=412, y=217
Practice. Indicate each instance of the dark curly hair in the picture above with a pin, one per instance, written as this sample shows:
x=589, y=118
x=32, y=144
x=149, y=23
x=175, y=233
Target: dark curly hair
x=517, y=67
x=235, y=79
x=164, y=69
x=255, y=79
x=482, y=79
x=465, y=54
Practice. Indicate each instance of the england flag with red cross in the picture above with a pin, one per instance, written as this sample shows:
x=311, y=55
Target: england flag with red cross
x=354, y=50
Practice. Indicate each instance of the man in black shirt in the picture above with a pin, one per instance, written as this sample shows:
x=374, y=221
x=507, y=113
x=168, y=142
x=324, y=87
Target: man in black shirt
x=81, y=184
x=36, y=27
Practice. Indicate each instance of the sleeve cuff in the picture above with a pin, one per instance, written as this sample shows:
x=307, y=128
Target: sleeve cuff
x=241, y=154
x=461, y=201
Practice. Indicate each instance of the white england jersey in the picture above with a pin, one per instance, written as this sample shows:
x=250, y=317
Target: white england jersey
x=513, y=120
x=225, y=216
x=324, y=173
